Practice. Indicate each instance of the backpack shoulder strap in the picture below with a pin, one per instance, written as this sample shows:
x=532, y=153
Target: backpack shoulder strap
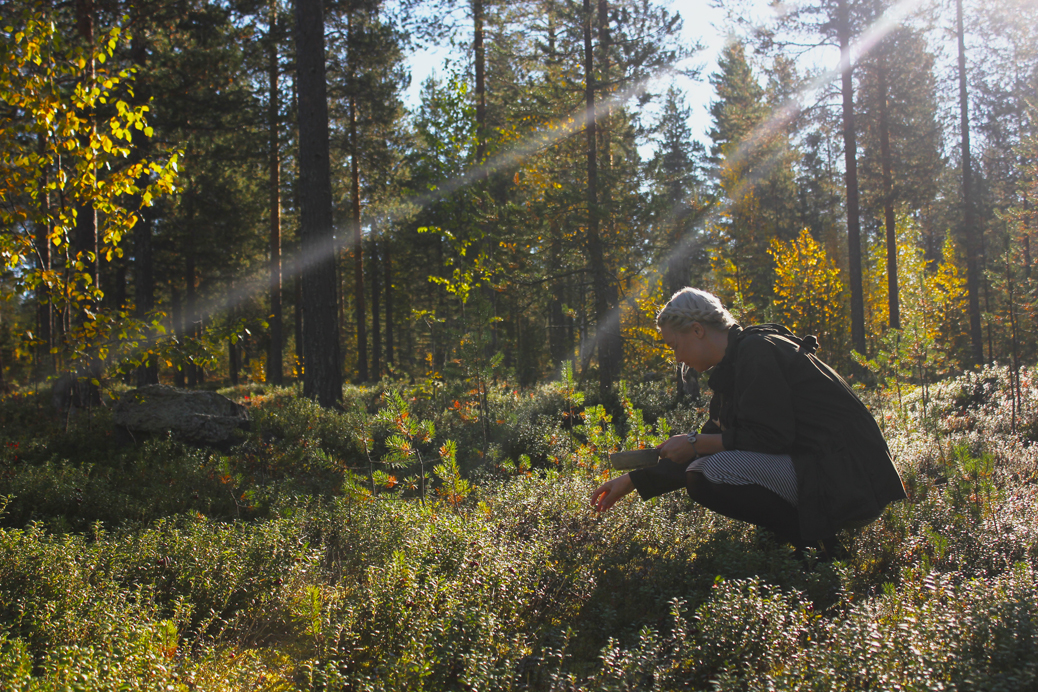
x=807, y=344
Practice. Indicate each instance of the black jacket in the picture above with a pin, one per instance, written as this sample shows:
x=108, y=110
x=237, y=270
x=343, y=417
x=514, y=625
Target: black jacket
x=772, y=395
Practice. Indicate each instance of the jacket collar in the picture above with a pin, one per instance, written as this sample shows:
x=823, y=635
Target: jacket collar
x=734, y=332
x=723, y=374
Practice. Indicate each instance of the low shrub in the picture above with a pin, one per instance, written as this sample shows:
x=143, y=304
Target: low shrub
x=281, y=564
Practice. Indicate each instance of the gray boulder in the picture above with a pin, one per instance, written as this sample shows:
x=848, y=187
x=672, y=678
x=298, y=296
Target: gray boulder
x=193, y=416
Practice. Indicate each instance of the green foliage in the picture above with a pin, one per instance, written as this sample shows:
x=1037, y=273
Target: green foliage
x=287, y=572
x=809, y=294
x=407, y=436
x=453, y=489
x=71, y=148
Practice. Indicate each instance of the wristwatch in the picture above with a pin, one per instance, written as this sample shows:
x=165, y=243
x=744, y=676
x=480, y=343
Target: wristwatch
x=691, y=438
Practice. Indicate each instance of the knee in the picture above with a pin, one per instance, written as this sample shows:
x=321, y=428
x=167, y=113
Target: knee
x=696, y=486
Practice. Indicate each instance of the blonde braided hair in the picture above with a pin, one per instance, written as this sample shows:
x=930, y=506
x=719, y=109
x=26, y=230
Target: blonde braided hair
x=694, y=305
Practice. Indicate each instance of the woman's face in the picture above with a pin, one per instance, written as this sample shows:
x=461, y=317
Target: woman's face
x=689, y=346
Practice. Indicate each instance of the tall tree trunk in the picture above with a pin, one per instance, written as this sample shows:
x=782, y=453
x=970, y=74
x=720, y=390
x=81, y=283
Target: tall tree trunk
x=607, y=334
x=969, y=229
x=557, y=346
x=233, y=360
x=387, y=272
x=275, y=351
x=119, y=295
x=298, y=314
x=604, y=118
x=143, y=268
x=1011, y=301
x=4, y=388
x=479, y=59
x=893, y=302
x=484, y=245
x=85, y=235
x=86, y=215
x=322, y=376
x=340, y=296
x=851, y=160
x=376, y=332
x=177, y=315
x=358, y=253
x=190, y=296
x=1027, y=239
x=439, y=353
x=144, y=287
x=44, y=306
x=199, y=330
x=675, y=280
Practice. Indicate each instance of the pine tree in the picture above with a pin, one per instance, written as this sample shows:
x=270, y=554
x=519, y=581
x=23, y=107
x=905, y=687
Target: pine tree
x=366, y=76
x=678, y=202
x=901, y=138
x=676, y=172
x=969, y=229
x=322, y=376
x=275, y=349
x=850, y=152
x=755, y=171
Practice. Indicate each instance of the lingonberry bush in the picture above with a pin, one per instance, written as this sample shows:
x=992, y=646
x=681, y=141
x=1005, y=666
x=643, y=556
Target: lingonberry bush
x=278, y=564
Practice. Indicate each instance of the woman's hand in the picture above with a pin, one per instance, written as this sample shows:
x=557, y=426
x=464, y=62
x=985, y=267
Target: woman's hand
x=606, y=495
x=678, y=449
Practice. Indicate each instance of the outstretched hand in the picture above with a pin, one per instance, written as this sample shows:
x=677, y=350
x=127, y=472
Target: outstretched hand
x=606, y=495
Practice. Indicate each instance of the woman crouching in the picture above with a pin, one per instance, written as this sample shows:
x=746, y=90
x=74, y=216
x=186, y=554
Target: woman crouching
x=789, y=446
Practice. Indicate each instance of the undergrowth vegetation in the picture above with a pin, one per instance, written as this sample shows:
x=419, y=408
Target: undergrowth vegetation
x=421, y=539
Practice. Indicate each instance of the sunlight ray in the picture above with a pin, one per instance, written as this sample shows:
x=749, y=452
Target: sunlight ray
x=778, y=120
x=550, y=134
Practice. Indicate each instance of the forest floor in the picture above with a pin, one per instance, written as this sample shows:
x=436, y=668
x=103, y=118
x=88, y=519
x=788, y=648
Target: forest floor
x=303, y=557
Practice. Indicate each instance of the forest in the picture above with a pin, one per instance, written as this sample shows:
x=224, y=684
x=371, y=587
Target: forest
x=436, y=306
x=866, y=177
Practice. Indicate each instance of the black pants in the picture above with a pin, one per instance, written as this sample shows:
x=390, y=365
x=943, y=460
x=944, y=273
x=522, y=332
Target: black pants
x=759, y=506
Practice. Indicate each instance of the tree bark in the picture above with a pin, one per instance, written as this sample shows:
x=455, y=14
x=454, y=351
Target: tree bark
x=322, y=375
x=233, y=360
x=86, y=215
x=376, y=332
x=190, y=297
x=177, y=317
x=297, y=292
x=607, y=327
x=143, y=266
x=851, y=161
x=144, y=286
x=387, y=271
x=44, y=306
x=603, y=58
x=358, y=252
x=893, y=302
x=275, y=351
x=557, y=346
x=968, y=222
x=1027, y=238
x=479, y=59
x=4, y=388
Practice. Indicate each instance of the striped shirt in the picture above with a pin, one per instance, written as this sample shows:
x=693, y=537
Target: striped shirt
x=737, y=467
